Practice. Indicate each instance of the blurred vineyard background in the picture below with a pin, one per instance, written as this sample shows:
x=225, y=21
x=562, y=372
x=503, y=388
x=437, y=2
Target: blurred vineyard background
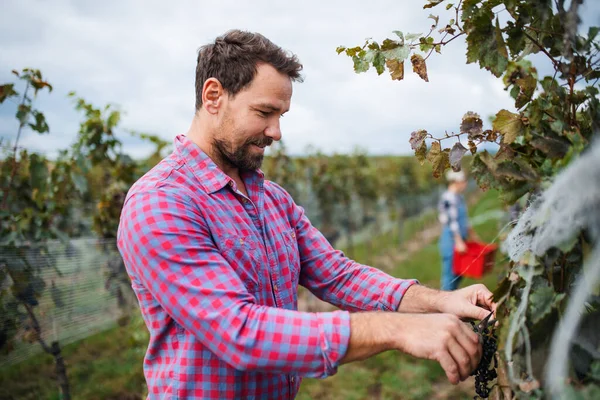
x=65, y=292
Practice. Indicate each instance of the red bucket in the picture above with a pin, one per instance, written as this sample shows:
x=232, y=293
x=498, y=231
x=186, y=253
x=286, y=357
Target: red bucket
x=476, y=261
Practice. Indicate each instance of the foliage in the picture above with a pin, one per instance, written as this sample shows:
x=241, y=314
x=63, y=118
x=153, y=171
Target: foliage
x=556, y=118
x=42, y=201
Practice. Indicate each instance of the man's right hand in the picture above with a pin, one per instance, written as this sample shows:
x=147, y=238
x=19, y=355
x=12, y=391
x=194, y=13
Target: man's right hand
x=443, y=338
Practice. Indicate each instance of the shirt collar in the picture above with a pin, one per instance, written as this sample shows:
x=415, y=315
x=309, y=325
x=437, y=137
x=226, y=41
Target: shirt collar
x=209, y=175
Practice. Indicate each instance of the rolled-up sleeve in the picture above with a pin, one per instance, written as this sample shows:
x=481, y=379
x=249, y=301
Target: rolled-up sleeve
x=164, y=239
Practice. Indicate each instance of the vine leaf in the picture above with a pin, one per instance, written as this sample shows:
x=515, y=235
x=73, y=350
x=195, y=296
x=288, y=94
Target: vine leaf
x=509, y=125
x=396, y=69
x=456, y=155
x=421, y=153
x=439, y=158
x=472, y=125
x=417, y=138
x=419, y=66
x=542, y=301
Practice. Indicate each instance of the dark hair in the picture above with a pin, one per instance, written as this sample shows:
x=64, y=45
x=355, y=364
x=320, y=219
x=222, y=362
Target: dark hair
x=233, y=58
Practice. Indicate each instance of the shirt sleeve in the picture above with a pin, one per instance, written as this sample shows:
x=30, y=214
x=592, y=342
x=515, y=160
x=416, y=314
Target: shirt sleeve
x=168, y=249
x=338, y=280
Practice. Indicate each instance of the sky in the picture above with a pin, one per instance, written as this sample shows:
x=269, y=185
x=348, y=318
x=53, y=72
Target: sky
x=141, y=56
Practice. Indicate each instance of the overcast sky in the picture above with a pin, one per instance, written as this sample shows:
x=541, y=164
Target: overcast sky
x=141, y=56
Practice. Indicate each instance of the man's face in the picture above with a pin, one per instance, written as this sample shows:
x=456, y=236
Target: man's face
x=249, y=121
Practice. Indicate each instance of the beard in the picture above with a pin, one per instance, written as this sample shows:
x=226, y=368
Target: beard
x=241, y=157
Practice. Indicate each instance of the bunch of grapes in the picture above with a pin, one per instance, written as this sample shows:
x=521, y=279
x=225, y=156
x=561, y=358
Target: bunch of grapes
x=484, y=373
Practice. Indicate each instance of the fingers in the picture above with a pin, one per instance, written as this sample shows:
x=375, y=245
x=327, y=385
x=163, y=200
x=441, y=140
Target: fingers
x=450, y=368
x=462, y=345
x=461, y=358
x=469, y=341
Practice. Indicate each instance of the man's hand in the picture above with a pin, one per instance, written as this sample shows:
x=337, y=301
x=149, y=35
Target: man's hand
x=440, y=337
x=473, y=302
x=443, y=338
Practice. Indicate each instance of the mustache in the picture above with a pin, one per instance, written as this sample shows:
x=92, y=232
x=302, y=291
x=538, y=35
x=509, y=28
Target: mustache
x=267, y=141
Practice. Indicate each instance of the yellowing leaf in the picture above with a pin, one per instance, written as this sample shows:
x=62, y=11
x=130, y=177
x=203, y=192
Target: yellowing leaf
x=439, y=158
x=396, y=69
x=421, y=153
x=509, y=125
x=419, y=66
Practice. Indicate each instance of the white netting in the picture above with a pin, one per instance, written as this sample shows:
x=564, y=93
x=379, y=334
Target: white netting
x=82, y=295
x=553, y=218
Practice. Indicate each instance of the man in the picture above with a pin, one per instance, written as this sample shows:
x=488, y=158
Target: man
x=215, y=254
x=456, y=228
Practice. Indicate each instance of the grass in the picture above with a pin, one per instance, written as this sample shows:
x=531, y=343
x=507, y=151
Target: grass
x=108, y=365
x=393, y=375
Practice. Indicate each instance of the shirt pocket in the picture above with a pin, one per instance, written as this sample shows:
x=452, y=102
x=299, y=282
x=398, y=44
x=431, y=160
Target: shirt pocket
x=243, y=254
x=292, y=254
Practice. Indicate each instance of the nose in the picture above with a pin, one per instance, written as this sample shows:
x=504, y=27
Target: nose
x=273, y=130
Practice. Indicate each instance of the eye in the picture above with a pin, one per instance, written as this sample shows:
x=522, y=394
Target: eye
x=263, y=113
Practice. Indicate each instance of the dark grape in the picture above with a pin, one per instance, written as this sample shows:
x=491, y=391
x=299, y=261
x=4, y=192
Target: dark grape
x=485, y=371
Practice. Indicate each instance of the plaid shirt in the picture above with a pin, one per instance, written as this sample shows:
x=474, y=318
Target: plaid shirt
x=216, y=275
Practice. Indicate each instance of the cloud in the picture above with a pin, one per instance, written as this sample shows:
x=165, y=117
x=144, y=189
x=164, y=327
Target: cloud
x=141, y=55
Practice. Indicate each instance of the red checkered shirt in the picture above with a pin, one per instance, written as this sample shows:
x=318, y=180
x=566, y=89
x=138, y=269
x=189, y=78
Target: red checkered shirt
x=217, y=273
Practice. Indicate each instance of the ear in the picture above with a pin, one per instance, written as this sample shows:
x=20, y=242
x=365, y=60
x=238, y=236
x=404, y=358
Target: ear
x=212, y=95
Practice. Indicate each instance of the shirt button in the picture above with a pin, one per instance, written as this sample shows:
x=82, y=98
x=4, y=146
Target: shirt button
x=241, y=241
x=293, y=379
x=275, y=287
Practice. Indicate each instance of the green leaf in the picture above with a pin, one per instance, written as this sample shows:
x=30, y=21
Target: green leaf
x=555, y=147
x=353, y=51
x=527, y=87
x=40, y=125
x=379, y=63
x=449, y=6
x=360, y=64
x=456, y=154
x=542, y=301
x=509, y=125
x=338, y=50
x=400, y=35
x=80, y=182
x=412, y=36
x=595, y=371
x=485, y=43
x=435, y=18
x=482, y=168
x=38, y=173
x=511, y=169
x=23, y=112
x=592, y=32
x=7, y=91
x=399, y=53
x=502, y=289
